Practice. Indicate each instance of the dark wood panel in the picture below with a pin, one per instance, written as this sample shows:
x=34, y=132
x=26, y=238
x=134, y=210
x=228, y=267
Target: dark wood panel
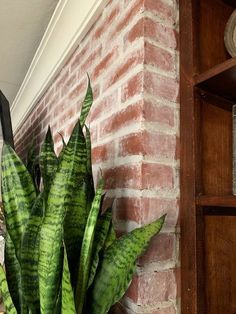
x=220, y=243
x=212, y=79
x=188, y=219
x=215, y=99
x=217, y=201
x=213, y=16
x=216, y=138
x=230, y=2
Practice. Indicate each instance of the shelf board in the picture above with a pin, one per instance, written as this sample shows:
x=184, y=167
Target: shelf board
x=220, y=80
x=230, y=2
x=216, y=201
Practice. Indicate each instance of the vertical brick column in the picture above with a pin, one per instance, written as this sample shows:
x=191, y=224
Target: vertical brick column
x=131, y=54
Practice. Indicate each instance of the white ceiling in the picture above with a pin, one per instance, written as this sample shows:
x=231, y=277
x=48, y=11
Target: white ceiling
x=22, y=25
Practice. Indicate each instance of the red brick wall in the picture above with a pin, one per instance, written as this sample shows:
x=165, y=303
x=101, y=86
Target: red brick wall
x=131, y=54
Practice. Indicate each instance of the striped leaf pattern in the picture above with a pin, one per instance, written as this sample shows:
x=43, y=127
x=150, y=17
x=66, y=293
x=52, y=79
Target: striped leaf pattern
x=74, y=225
x=48, y=161
x=86, y=249
x=13, y=273
x=111, y=237
x=87, y=103
x=30, y=255
x=10, y=308
x=68, y=303
x=50, y=260
x=60, y=251
x=89, y=178
x=101, y=232
x=77, y=212
x=32, y=166
x=118, y=266
x=18, y=194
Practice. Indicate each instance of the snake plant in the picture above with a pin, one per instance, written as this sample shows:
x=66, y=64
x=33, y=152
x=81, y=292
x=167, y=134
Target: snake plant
x=61, y=252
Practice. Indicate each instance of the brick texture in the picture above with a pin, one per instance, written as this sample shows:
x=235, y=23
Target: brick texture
x=131, y=54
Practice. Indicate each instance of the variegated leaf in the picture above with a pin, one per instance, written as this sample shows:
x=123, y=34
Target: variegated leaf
x=118, y=266
x=68, y=176
x=86, y=250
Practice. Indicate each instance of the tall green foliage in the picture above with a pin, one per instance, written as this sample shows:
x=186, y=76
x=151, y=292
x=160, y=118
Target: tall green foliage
x=62, y=255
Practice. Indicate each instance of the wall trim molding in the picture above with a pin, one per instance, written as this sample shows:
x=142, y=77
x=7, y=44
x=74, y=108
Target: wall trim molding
x=69, y=24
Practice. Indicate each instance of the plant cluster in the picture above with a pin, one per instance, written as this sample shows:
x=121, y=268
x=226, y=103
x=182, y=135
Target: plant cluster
x=61, y=252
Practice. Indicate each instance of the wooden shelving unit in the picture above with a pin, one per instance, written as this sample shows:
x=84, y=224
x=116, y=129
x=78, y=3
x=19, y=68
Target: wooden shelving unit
x=216, y=201
x=208, y=208
x=212, y=79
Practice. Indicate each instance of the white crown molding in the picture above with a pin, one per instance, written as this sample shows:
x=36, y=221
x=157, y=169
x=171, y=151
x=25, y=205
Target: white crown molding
x=69, y=24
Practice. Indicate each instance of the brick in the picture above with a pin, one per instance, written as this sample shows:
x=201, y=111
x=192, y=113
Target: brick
x=153, y=208
x=77, y=90
x=104, y=105
x=161, y=248
x=161, y=86
x=68, y=84
x=95, y=55
x=128, y=208
x=101, y=29
x=132, y=60
x=49, y=94
x=136, y=32
x=157, y=176
x=118, y=308
x=148, y=144
x=166, y=12
x=127, y=176
x=103, y=152
x=67, y=115
x=135, y=9
x=105, y=63
x=79, y=56
x=133, y=87
x=153, y=288
x=39, y=108
x=144, y=210
x=53, y=101
x=61, y=78
x=59, y=108
x=159, y=113
x=125, y=117
x=159, y=58
x=164, y=310
x=160, y=33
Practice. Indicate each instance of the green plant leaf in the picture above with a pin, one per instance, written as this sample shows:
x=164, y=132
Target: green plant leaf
x=89, y=179
x=118, y=265
x=30, y=255
x=101, y=231
x=87, y=103
x=77, y=213
x=86, y=250
x=48, y=161
x=68, y=303
x=13, y=273
x=89, y=150
x=32, y=166
x=111, y=237
x=9, y=306
x=67, y=177
x=74, y=226
x=18, y=194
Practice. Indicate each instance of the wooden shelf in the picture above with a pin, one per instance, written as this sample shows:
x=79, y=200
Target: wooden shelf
x=217, y=201
x=220, y=80
x=230, y=2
